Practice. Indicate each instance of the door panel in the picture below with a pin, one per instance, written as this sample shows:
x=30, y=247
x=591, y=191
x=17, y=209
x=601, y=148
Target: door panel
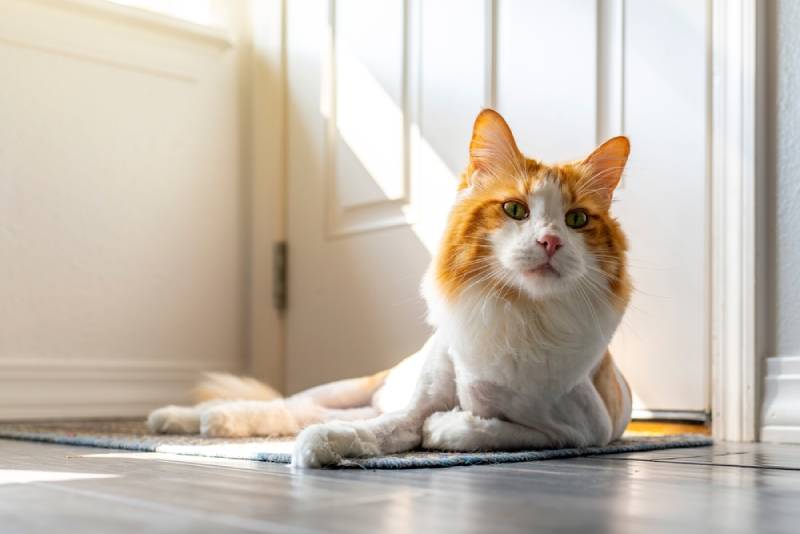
x=546, y=76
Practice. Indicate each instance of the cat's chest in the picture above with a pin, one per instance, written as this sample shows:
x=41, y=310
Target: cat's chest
x=525, y=351
x=532, y=382
x=528, y=368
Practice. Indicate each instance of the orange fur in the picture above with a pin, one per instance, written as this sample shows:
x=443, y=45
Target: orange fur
x=610, y=390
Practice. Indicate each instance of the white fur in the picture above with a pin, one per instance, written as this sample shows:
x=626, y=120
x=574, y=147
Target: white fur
x=464, y=431
x=180, y=419
x=174, y=420
x=253, y=418
x=326, y=444
x=243, y=418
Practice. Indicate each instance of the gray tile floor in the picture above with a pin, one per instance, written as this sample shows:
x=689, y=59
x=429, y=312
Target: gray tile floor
x=725, y=488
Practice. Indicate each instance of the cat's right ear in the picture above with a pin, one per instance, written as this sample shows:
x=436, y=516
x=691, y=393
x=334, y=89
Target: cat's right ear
x=492, y=151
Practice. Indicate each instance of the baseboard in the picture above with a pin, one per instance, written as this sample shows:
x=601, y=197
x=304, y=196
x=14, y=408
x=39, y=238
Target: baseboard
x=53, y=389
x=780, y=418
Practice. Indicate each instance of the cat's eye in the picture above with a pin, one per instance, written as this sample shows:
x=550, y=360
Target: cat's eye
x=577, y=218
x=515, y=210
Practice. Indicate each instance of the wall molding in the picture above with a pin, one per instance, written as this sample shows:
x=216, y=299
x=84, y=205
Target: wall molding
x=490, y=54
x=781, y=411
x=64, y=52
x=735, y=101
x=29, y=28
x=62, y=388
x=610, y=69
x=131, y=16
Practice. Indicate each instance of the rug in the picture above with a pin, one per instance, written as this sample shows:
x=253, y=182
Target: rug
x=133, y=436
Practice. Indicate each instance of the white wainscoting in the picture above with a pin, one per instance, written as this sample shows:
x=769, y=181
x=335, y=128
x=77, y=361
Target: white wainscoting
x=121, y=222
x=45, y=389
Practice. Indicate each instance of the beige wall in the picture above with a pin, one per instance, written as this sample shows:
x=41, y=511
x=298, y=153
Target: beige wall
x=121, y=221
x=781, y=413
x=784, y=174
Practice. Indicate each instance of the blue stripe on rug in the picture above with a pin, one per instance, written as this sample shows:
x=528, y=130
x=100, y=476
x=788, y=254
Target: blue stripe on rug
x=133, y=436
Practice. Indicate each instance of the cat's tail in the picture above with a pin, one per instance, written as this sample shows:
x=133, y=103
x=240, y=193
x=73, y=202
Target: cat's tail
x=224, y=386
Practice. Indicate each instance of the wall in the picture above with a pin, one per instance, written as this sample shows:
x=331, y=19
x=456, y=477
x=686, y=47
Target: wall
x=781, y=414
x=121, y=228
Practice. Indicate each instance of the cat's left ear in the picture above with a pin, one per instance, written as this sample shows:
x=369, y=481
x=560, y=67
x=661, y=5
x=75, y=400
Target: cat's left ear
x=606, y=165
x=493, y=153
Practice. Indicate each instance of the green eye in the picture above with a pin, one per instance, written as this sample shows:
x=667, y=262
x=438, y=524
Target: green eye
x=577, y=218
x=515, y=210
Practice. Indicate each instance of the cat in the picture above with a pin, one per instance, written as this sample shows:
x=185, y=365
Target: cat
x=525, y=293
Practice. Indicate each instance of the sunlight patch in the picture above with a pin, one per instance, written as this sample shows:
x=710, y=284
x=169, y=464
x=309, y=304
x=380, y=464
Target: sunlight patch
x=24, y=476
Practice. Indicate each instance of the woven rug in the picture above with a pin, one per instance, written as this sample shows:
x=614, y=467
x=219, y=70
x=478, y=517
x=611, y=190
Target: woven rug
x=133, y=436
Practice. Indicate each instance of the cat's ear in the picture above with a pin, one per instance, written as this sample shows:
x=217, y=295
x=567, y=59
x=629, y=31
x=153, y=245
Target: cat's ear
x=492, y=150
x=606, y=165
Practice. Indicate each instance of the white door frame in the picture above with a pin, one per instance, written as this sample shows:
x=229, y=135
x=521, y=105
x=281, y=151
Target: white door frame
x=736, y=197
x=264, y=108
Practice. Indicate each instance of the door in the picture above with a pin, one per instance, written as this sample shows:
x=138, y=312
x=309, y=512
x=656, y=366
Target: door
x=382, y=96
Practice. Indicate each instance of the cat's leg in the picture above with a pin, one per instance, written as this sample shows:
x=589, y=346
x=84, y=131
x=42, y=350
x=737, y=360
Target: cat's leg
x=615, y=393
x=327, y=444
x=179, y=419
x=345, y=399
x=464, y=431
x=280, y=417
x=342, y=400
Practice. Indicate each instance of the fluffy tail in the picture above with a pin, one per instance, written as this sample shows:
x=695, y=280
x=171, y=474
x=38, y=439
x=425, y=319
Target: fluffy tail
x=223, y=386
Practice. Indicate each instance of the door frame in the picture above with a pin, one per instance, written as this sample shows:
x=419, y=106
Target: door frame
x=263, y=109
x=737, y=200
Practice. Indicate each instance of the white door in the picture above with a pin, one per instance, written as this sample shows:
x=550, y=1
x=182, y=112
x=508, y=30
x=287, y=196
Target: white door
x=382, y=95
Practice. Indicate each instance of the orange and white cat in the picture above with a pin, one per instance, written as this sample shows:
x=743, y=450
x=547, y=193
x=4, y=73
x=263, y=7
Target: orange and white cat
x=525, y=293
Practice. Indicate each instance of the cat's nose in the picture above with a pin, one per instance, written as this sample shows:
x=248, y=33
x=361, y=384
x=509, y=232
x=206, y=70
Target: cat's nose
x=551, y=244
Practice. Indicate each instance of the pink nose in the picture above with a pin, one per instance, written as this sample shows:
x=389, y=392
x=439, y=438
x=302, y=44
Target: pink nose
x=551, y=244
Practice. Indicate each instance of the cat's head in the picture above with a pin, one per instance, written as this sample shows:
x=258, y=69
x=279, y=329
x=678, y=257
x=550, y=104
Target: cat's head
x=523, y=229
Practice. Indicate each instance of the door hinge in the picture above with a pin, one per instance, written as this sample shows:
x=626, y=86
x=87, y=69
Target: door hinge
x=280, y=275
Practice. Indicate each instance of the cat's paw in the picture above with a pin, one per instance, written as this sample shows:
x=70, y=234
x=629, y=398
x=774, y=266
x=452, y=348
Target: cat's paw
x=327, y=444
x=174, y=420
x=454, y=431
x=224, y=422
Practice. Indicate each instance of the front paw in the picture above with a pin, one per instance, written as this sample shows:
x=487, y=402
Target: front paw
x=174, y=420
x=453, y=431
x=327, y=444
